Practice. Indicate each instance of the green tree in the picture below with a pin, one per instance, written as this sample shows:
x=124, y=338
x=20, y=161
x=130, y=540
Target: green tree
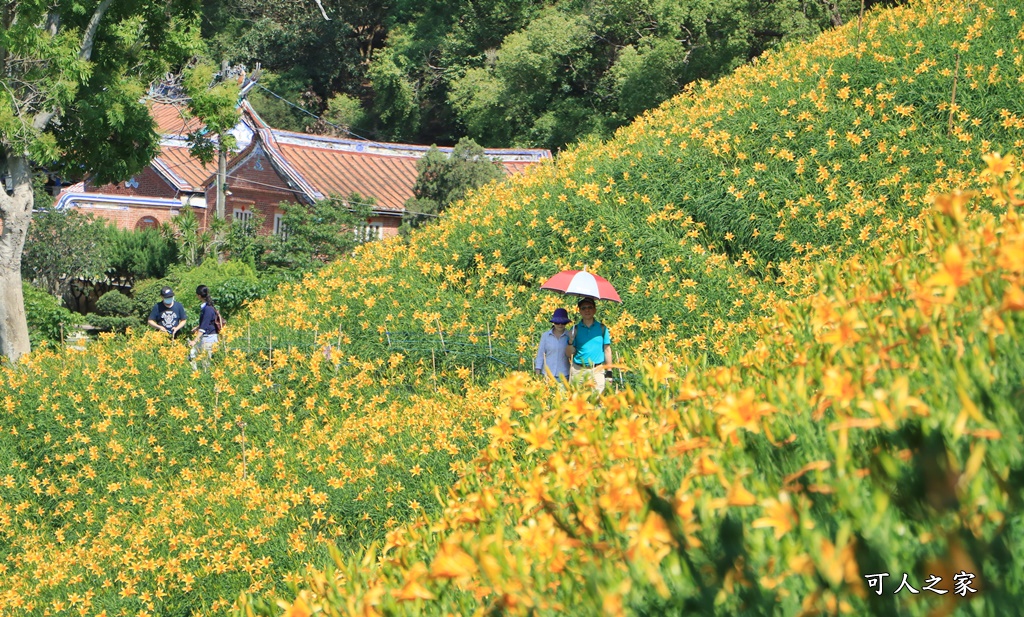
x=443, y=179
x=306, y=59
x=318, y=234
x=194, y=244
x=63, y=245
x=136, y=255
x=74, y=74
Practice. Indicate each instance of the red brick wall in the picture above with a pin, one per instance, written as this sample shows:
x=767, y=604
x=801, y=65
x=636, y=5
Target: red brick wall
x=391, y=224
x=129, y=217
x=256, y=190
x=151, y=184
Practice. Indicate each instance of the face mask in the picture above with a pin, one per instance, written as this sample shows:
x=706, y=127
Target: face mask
x=169, y=301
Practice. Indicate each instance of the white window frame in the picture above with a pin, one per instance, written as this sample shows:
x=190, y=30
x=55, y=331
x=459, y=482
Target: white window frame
x=279, y=227
x=367, y=232
x=243, y=216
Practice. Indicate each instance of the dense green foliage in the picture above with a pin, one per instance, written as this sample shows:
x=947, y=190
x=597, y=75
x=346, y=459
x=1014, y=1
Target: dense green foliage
x=443, y=179
x=114, y=313
x=317, y=234
x=504, y=72
x=67, y=244
x=140, y=254
x=64, y=245
x=47, y=319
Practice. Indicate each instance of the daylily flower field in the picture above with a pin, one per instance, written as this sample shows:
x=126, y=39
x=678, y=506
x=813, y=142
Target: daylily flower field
x=821, y=259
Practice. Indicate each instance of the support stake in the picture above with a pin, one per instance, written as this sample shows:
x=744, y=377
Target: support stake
x=952, y=103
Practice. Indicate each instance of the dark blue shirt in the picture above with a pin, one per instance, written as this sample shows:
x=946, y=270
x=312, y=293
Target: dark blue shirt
x=206, y=318
x=168, y=316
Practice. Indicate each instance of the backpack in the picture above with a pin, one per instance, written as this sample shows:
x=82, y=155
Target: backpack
x=218, y=321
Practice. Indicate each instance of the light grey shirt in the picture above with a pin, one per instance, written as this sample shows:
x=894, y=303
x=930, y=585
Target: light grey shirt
x=551, y=354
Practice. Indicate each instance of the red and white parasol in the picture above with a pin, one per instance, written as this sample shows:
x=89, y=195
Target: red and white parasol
x=582, y=283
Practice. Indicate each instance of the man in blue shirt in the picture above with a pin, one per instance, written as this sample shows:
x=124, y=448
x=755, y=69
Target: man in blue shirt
x=168, y=315
x=590, y=348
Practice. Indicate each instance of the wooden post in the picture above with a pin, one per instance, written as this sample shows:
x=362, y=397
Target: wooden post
x=241, y=425
x=952, y=103
x=441, y=335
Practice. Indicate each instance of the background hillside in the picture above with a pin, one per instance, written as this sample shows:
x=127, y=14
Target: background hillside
x=504, y=72
x=844, y=365
x=708, y=209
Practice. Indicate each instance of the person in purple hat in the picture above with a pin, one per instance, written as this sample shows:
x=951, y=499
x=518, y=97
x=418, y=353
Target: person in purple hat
x=551, y=359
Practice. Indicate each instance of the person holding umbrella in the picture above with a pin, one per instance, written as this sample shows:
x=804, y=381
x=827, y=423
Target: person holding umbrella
x=551, y=358
x=589, y=348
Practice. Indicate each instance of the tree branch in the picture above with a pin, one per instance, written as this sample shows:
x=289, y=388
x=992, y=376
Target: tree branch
x=322, y=11
x=90, y=31
x=43, y=118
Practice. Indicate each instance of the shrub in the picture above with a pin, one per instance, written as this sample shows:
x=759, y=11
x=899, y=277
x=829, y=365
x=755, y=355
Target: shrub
x=114, y=303
x=144, y=295
x=140, y=254
x=231, y=295
x=46, y=316
x=63, y=245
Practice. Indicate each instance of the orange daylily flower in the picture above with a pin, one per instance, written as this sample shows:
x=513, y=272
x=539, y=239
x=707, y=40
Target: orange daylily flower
x=452, y=562
x=299, y=608
x=413, y=589
x=954, y=204
x=953, y=271
x=539, y=437
x=659, y=372
x=1011, y=254
x=781, y=515
x=705, y=466
x=736, y=495
x=742, y=411
x=1013, y=299
x=997, y=164
x=845, y=332
x=652, y=542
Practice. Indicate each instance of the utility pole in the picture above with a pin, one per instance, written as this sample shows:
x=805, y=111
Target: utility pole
x=222, y=172
x=222, y=158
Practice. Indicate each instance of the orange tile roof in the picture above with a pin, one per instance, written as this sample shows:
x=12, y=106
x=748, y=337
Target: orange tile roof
x=333, y=166
x=184, y=171
x=322, y=166
x=171, y=119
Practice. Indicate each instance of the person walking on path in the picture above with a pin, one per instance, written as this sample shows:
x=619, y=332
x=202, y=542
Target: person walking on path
x=168, y=315
x=206, y=334
x=551, y=359
x=590, y=348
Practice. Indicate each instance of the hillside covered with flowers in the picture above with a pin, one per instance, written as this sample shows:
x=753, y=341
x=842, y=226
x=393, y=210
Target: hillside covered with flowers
x=821, y=263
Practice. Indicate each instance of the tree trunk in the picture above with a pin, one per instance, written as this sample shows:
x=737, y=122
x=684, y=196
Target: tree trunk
x=16, y=213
